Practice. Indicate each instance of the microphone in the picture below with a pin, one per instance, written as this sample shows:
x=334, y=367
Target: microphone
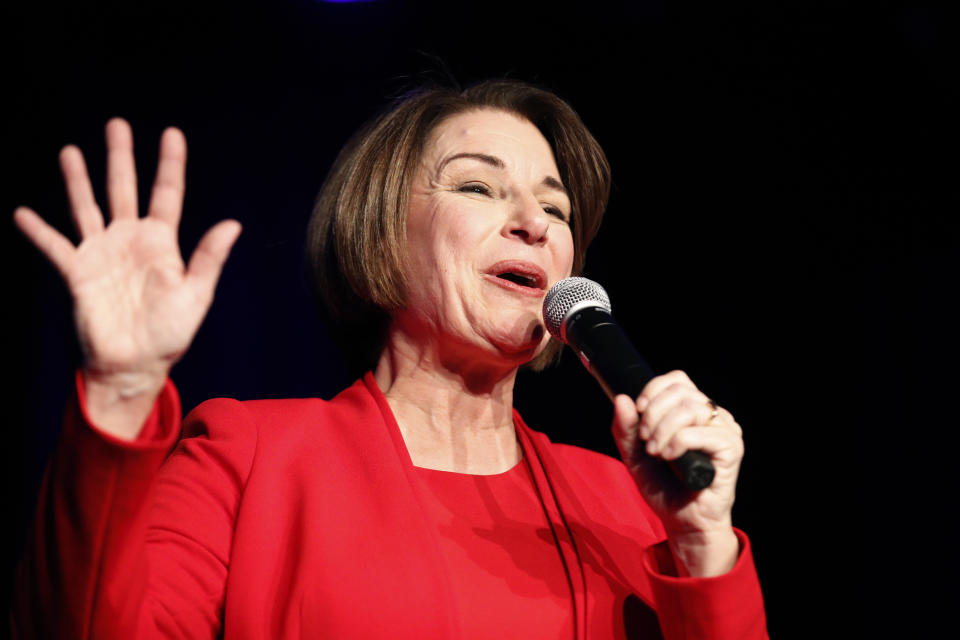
x=576, y=311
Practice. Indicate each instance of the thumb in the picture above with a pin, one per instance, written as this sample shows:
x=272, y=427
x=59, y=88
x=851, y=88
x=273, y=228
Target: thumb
x=211, y=253
x=58, y=250
x=625, y=423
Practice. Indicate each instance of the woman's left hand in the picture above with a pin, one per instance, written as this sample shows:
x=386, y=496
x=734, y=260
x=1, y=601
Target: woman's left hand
x=670, y=417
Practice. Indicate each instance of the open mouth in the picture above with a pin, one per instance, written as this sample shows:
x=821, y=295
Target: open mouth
x=519, y=278
x=522, y=274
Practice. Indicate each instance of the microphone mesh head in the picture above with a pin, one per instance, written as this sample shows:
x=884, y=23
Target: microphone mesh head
x=567, y=294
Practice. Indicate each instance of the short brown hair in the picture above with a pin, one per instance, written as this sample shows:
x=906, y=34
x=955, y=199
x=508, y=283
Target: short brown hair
x=357, y=232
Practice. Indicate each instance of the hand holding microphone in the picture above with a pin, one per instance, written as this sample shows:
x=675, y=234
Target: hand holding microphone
x=576, y=311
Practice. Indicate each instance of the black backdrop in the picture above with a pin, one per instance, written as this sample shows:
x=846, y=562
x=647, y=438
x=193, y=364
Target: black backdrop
x=781, y=227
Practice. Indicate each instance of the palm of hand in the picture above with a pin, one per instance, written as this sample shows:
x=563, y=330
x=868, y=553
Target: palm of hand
x=133, y=301
x=136, y=305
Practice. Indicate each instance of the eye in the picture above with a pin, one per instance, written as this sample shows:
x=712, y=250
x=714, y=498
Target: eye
x=475, y=187
x=556, y=212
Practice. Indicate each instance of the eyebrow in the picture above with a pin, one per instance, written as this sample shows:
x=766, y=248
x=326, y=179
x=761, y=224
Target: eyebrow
x=496, y=163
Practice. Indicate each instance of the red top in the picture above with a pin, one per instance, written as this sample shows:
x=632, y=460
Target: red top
x=306, y=518
x=507, y=574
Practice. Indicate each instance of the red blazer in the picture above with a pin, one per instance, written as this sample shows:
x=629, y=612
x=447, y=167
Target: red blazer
x=287, y=518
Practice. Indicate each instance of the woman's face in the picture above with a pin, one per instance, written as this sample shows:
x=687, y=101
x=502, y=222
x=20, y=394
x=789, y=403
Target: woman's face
x=487, y=235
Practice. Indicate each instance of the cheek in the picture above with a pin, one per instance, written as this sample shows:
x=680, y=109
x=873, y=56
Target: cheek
x=439, y=269
x=563, y=253
x=426, y=243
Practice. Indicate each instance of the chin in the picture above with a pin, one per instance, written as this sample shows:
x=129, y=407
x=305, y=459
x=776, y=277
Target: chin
x=525, y=347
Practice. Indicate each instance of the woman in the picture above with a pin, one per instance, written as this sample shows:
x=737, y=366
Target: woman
x=416, y=503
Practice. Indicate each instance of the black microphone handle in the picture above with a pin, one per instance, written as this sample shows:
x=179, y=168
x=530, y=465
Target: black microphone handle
x=612, y=359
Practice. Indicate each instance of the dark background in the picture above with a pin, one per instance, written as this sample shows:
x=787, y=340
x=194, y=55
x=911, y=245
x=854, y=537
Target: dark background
x=782, y=227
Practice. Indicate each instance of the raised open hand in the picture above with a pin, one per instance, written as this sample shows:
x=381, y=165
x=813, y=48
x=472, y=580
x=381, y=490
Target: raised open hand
x=137, y=306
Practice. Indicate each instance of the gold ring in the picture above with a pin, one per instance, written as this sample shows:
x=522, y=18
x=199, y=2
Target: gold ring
x=714, y=411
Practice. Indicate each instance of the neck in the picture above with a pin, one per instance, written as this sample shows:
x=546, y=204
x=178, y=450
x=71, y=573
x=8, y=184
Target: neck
x=454, y=414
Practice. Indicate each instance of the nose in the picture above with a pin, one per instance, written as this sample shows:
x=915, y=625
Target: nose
x=528, y=221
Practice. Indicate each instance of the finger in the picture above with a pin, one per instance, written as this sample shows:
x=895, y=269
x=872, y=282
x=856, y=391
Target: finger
x=685, y=412
x=665, y=400
x=166, y=201
x=48, y=240
x=207, y=260
x=87, y=217
x=658, y=384
x=121, y=172
x=722, y=445
x=724, y=417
